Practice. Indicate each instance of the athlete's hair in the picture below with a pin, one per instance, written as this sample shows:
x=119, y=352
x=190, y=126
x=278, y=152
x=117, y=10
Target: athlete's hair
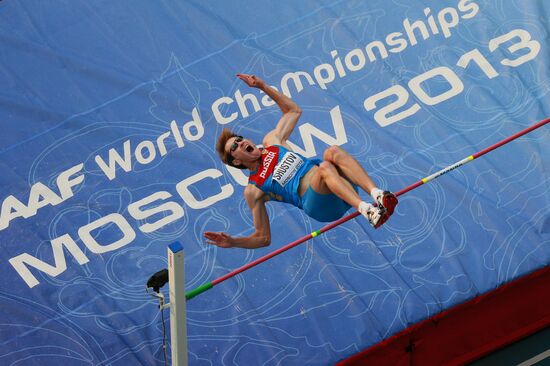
x=220, y=148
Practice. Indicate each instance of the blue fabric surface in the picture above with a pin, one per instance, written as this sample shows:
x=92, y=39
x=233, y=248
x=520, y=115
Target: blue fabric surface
x=110, y=112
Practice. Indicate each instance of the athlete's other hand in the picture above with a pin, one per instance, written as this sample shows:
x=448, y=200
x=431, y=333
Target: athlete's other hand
x=221, y=240
x=252, y=80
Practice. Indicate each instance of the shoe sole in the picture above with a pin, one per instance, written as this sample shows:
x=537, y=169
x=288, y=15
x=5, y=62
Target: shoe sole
x=385, y=216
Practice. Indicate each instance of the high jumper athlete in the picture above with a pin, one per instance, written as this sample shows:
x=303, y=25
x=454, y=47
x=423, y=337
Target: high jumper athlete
x=324, y=189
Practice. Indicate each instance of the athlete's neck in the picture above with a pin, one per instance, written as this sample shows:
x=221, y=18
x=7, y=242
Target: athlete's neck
x=253, y=166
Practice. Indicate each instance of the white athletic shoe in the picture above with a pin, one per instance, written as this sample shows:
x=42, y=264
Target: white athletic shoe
x=376, y=215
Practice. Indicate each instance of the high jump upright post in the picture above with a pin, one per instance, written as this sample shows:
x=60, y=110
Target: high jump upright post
x=178, y=309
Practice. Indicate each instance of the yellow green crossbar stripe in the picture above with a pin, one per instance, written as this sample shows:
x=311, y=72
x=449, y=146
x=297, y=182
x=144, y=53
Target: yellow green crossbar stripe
x=315, y=233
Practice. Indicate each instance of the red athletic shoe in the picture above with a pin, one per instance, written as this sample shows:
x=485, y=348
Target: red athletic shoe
x=387, y=201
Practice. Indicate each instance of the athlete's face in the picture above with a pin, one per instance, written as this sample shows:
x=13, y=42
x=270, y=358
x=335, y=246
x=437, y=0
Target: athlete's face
x=242, y=150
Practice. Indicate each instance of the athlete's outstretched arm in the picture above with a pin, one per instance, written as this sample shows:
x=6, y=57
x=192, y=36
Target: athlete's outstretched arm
x=262, y=235
x=291, y=111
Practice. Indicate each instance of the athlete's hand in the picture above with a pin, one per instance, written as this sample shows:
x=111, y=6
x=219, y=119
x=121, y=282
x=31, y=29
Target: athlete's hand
x=252, y=80
x=221, y=240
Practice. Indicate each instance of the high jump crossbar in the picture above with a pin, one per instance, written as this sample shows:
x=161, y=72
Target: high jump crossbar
x=189, y=295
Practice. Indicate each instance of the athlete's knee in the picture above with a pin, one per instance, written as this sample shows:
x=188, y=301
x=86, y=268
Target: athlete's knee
x=332, y=153
x=326, y=168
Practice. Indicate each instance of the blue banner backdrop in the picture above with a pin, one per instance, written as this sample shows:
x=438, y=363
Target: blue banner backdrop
x=110, y=112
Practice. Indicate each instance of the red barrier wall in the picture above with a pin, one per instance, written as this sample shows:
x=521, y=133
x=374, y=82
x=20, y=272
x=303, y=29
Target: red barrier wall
x=470, y=330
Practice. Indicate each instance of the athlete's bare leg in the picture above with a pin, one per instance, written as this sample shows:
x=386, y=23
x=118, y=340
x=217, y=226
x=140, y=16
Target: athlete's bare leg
x=349, y=167
x=327, y=179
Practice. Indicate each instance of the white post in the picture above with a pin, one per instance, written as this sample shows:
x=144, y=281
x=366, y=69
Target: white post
x=178, y=313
